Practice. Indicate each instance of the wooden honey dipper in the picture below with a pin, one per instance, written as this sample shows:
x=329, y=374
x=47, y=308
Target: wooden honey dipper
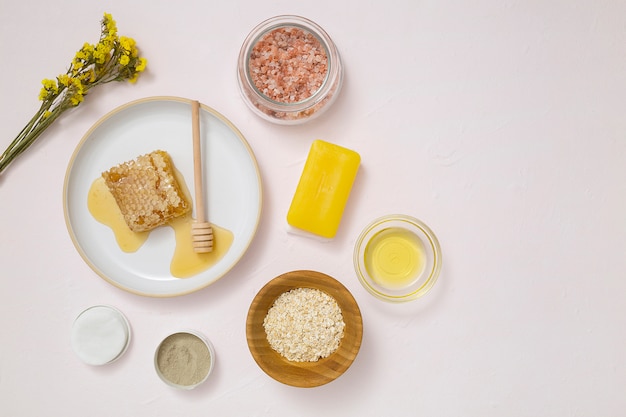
x=201, y=230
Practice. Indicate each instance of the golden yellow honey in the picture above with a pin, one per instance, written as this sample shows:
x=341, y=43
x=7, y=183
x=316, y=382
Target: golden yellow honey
x=104, y=208
x=185, y=262
x=395, y=258
x=323, y=190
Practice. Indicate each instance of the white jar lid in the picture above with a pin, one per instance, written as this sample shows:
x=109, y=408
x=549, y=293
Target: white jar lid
x=100, y=335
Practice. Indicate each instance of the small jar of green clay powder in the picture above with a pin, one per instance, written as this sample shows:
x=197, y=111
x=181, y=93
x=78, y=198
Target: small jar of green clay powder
x=184, y=359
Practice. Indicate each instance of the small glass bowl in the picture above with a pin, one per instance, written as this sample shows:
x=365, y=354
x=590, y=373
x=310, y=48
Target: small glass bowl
x=397, y=258
x=180, y=359
x=295, y=110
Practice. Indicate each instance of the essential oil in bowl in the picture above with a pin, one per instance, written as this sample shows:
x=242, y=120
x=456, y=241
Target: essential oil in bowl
x=395, y=258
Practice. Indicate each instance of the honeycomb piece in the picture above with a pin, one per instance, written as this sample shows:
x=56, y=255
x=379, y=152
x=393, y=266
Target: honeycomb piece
x=146, y=191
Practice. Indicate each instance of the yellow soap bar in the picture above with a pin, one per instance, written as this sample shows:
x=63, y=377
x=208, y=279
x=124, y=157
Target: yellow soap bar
x=324, y=188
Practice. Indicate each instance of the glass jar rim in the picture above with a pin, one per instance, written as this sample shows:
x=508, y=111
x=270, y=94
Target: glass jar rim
x=333, y=71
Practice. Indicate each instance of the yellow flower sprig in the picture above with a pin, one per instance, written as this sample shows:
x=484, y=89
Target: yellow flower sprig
x=113, y=58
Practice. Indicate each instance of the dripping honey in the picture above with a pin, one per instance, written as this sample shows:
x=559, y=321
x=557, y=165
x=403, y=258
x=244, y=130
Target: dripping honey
x=185, y=262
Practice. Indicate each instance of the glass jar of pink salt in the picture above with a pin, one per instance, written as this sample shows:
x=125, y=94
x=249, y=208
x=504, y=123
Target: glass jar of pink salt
x=289, y=70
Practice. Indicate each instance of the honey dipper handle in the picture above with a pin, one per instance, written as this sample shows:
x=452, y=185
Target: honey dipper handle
x=201, y=230
x=197, y=160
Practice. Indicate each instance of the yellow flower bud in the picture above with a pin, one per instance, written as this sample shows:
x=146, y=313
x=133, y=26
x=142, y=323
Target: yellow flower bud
x=141, y=65
x=76, y=99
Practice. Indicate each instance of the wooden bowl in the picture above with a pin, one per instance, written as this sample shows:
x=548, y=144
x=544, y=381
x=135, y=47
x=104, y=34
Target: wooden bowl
x=304, y=374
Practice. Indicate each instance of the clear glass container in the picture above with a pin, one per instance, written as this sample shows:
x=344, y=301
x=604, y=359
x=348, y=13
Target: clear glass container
x=397, y=258
x=289, y=70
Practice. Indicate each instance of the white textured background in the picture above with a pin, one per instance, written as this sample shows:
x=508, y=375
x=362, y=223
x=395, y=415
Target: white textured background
x=500, y=123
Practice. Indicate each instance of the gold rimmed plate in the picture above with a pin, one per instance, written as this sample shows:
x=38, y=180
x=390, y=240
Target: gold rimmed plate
x=142, y=126
x=304, y=374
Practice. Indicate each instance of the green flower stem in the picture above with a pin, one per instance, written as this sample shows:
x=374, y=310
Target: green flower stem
x=33, y=129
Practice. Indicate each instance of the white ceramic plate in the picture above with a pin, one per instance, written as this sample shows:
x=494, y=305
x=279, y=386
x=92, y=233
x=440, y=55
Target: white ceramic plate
x=231, y=178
